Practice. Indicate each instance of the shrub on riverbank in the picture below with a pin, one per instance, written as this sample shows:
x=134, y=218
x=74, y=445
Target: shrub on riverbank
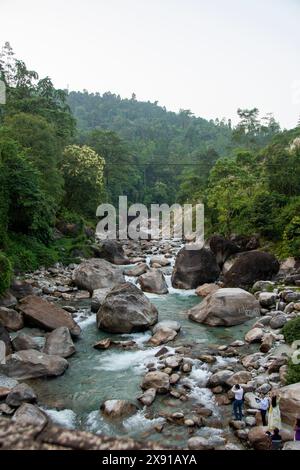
x=5, y=273
x=291, y=330
x=293, y=373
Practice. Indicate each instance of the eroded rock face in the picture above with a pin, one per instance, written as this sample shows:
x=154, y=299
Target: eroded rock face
x=225, y=307
x=39, y=312
x=59, y=343
x=290, y=402
x=31, y=363
x=97, y=274
x=137, y=270
x=250, y=267
x=118, y=408
x=10, y=319
x=126, y=309
x=193, y=268
x=153, y=281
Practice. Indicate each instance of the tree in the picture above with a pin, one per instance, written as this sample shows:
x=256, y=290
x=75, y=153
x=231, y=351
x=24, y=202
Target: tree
x=82, y=169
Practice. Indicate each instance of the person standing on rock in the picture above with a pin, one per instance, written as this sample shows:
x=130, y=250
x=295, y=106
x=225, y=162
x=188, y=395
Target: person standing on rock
x=238, y=401
x=264, y=404
x=274, y=415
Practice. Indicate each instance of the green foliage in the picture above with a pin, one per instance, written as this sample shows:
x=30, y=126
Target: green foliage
x=293, y=373
x=291, y=238
x=27, y=253
x=82, y=169
x=291, y=330
x=5, y=273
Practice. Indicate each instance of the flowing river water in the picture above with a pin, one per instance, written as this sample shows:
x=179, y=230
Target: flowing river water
x=73, y=400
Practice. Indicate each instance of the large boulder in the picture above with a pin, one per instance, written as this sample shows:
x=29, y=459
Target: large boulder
x=21, y=393
x=126, y=309
x=193, y=268
x=4, y=336
x=290, y=402
x=160, y=381
x=39, y=312
x=137, y=270
x=30, y=414
x=117, y=408
x=21, y=288
x=98, y=297
x=25, y=341
x=225, y=307
x=153, y=281
x=10, y=319
x=111, y=251
x=251, y=267
x=97, y=274
x=59, y=343
x=222, y=248
x=30, y=364
x=258, y=438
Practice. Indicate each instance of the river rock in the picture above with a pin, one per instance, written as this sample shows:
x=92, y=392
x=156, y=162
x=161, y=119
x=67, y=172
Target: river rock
x=161, y=261
x=278, y=321
x=290, y=402
x=59, y=343
x=98, y=297
x=117, y=408
x=10, y=319
x=250, y=400
x=199, y=443
x=153, y=281
x=4, y=336
x=267, y=299
x=254, y=335
x=148, y=397
x=39, y=312
x=193, y=268
x=30, y=364
x=258, y=438
x=206, y=289
x=225, y=307
x=137, y=270
x=241, y=377
x=157, y=380
x=2, y=352
x=21, y=393
x=95, y=274
x=252, y=360
x=126, y=309
x=219, y=378
x=21, y=288
x=162, y=336
x=267, y=343
x=25, y=341
x=30, y=414
x=171, y=324
x=8, y=300
x=250, y=267
x=112, y=251
x=222, y=248
x=263, y=286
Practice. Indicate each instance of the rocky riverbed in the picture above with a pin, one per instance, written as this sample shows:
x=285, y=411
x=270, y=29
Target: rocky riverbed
x=145, y=341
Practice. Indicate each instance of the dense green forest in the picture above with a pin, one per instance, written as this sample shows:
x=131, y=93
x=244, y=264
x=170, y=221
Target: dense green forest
x=62, y=154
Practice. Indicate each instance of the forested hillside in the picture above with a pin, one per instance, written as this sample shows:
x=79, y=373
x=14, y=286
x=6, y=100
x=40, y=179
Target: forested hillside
x=63, y=154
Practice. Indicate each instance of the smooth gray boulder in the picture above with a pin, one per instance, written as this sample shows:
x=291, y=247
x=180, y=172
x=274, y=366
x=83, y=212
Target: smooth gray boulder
x=97, y=274
x=126, y=309
x=59, y=343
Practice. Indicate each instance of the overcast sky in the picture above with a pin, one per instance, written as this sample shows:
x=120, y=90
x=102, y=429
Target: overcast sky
x=210, y=56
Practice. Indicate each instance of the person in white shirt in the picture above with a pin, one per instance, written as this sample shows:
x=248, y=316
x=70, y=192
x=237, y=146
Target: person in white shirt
x=264, y=404
x=238, y=401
